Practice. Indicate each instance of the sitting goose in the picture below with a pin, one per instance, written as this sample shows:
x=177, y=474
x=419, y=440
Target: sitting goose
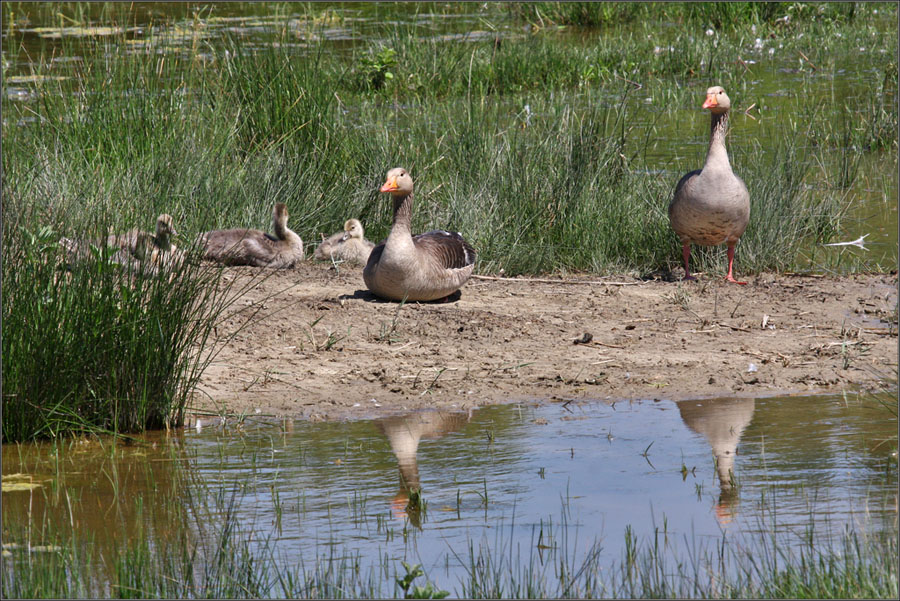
x=426, y=267
x=145, y=252
x=242, y=246
x=349, y=245
x=153, y=251
x=711, y=205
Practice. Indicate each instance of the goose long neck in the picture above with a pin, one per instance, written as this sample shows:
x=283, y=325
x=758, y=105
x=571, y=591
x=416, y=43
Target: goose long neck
x=279, y=227
x=717, y=156
x=402, y=213
x=163, y=240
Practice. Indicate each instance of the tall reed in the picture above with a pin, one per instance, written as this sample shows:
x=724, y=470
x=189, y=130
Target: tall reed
x=99, y=347
x=715, y=14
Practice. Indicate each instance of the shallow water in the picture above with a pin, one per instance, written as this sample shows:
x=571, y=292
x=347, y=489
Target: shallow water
x=666, y=146
x=501, y=475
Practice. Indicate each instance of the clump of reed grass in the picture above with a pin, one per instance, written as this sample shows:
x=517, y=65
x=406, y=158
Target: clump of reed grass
x=99, y=347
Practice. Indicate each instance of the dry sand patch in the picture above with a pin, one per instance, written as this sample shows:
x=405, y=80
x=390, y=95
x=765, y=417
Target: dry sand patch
x=321, y=347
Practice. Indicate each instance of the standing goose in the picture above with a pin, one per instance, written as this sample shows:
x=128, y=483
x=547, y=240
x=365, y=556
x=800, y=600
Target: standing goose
x=711, y=205
x=349, y=245
x=426, y=267
x=241, y=246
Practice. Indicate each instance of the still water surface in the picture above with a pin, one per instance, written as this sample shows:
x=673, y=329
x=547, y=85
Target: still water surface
x=499, y=475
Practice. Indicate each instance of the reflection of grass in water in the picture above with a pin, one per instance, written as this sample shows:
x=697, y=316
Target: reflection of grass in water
x=229, y=560
x=885, y=401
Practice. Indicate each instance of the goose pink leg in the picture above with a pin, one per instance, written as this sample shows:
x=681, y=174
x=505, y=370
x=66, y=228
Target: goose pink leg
x=686, y=253
x=730, y=277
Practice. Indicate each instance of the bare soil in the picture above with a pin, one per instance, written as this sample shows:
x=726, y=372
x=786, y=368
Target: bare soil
x=322, y=347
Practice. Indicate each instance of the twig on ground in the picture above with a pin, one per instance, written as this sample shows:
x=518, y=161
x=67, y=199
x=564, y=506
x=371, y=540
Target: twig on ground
x=547, y=281
x=725, y=325
x=595, y=343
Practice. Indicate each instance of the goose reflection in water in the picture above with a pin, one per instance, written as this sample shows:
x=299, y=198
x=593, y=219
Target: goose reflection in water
x=404, y=433
x=721, y=422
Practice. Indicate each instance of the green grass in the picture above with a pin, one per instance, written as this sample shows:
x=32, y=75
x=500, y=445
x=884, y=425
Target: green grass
x=555, y=195
x=99, y=348
x=850, y=566
x=229, y=560
x=729, y=15
x=214, y=131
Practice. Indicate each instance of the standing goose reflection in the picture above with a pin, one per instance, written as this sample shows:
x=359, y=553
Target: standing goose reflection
x=404, y=433
x=721, y=422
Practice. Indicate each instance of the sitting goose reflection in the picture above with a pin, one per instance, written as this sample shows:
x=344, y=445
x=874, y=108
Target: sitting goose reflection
x=404, y=433
x=721, y=422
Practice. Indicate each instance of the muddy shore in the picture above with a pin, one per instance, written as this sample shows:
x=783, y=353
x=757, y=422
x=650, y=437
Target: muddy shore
x=321, y=347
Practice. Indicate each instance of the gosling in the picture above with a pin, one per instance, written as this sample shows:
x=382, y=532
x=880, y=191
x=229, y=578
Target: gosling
x=242, y=246
x=141, y=251
x=350, y=245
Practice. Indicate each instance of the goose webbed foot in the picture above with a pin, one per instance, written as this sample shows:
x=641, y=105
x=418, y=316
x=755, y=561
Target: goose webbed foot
x=730, y=278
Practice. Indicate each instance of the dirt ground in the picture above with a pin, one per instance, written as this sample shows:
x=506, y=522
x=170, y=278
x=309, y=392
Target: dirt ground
x=322, y=347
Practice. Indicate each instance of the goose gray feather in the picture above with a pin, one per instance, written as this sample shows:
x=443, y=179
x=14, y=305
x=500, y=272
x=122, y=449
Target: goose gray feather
x=141, y=251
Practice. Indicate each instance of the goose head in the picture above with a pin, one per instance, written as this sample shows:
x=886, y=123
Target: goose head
x=717, y=100
x=398, y=182
x=165, y=226
x=352, y=229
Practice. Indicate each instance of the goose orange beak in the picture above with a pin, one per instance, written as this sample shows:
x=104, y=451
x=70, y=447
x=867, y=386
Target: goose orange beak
x=710, y=101
x=390, y=185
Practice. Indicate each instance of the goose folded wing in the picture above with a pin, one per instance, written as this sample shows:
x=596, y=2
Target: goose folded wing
x=448, y=248
x=261, y=248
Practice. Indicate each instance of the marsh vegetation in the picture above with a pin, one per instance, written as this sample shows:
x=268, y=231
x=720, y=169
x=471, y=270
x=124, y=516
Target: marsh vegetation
x=551, y=135
x=780, y=497
x=553, y=148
